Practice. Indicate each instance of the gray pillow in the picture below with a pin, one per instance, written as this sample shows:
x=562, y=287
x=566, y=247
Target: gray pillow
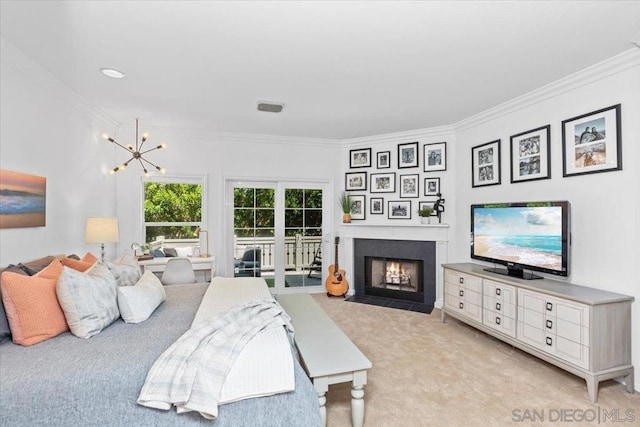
x=88, y=299
x=125, y=269
x=170, y=252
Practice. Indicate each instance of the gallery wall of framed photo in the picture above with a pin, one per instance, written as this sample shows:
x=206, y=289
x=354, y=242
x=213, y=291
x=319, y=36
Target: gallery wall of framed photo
x=397, y=179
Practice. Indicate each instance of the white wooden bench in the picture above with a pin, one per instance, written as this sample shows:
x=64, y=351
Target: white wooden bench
x=328, y=355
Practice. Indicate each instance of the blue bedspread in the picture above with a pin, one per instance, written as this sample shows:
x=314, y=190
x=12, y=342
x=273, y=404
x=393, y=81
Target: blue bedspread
x=69, y=381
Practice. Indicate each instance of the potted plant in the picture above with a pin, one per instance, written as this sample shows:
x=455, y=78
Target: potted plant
x=345, y=206
x=425, y=215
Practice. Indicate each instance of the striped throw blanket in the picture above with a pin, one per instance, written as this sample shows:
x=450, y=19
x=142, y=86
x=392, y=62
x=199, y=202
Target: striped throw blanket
x=190, y=374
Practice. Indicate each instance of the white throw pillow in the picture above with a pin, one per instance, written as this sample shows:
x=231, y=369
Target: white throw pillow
x=88, y=299
x=125, y=269
x=184, y=252
x=139, y=301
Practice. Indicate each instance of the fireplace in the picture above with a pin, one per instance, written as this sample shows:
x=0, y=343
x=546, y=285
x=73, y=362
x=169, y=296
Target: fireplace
x=394, y=278
x=395, y=273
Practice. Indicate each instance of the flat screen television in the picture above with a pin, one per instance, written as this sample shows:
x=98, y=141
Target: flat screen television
x=522, y=236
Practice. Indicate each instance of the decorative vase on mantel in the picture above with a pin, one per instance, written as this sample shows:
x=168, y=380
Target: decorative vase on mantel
x=346, y=218
x=425, y=220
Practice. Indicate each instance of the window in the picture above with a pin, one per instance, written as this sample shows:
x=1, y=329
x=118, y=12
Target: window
x=174, y=207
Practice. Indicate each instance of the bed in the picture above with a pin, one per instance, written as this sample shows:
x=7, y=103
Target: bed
x=71, y=381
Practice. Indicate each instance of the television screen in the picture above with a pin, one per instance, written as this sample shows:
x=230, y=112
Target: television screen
x=533, y=236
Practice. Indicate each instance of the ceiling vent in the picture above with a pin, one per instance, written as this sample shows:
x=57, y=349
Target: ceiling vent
x=271, y=107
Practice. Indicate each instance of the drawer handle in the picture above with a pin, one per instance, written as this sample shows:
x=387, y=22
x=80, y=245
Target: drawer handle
x=498, y=306
x=549, y=341
x=549, y=306
x=461, y=305
x=461, y=280
x=549, y=324
x=461, y=292
x=498, y=291
x=497, y=320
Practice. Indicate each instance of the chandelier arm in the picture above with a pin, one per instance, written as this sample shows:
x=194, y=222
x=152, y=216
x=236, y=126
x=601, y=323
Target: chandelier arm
x=149, y=150
x=142, y=165
x=120, y=145
x=127, y=162
x=145, y=160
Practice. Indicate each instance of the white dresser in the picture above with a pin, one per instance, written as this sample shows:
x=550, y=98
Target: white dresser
x=583, y=330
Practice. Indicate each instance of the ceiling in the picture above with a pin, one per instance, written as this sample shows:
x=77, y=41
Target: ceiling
x=343, y=69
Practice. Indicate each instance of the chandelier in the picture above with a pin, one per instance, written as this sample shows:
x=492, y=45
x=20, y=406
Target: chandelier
x=136, y=153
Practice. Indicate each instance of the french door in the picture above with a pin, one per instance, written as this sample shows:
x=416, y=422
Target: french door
x=278, y=233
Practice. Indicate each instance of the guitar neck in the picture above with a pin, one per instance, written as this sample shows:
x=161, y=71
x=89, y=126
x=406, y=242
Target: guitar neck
x=336, y=258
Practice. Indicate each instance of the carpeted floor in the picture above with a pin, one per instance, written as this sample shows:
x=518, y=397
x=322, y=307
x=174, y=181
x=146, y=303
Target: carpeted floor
x=426, y=373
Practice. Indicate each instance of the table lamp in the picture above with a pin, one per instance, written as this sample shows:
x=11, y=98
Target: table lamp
x=102, y=230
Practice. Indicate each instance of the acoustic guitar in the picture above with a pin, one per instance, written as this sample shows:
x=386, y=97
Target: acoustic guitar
x=336, y=282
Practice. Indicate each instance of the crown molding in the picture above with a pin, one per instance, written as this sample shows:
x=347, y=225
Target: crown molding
x=399, y=137
x=619, y=63
x=24, y=65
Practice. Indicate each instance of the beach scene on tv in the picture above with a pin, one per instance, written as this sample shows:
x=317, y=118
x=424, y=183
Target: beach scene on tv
x=525, y=235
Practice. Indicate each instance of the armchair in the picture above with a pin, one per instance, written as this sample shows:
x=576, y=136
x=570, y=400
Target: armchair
x=250, y=263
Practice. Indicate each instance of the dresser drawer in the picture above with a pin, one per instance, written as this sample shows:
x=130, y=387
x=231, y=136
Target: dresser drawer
x=464, y=280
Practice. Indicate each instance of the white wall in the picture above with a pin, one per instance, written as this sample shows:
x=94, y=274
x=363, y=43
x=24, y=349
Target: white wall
x=605, y=206
x=45, y=130
x=221, y=157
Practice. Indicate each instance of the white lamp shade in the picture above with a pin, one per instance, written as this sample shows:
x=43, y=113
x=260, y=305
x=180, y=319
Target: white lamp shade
x=102, y=230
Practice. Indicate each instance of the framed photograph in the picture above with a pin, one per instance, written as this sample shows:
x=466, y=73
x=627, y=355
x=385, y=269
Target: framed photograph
x=377, y=206
x=358, y=207
x=408, y=155
x=400, y=209
x=485, y=164
x=435, y=157
x=409, y=185
x=383, y=182
x=360, y=158
x=355, y=181
x=530, y=159
x=431, y=186
x=384, y=160
x=23, y=200
x=592, y=142
x=422, y=205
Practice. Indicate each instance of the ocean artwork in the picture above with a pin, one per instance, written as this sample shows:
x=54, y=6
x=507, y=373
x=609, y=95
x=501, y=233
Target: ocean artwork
x=22, y=200
x=531, y=236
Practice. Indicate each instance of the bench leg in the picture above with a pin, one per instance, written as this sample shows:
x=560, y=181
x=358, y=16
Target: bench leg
x=357, y=406
x=322, y=400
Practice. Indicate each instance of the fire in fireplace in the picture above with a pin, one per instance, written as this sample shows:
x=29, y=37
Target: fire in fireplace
x=394, y=278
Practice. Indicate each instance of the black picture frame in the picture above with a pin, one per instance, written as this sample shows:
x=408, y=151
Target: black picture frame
x=355, y=181
x=376, y=206
x=431, y=186
x=428, y=204
x=408, y=155
x=358, y=207
x=530, y=155
x=485, y=164
x=585, y=150
x=360, y=158
x=383, y=160
x=399, y=209
x=410, y=186
x=435, y=157
x=383, y=182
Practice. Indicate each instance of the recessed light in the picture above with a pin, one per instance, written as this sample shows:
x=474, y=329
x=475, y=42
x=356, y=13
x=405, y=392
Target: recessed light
x=110, y=72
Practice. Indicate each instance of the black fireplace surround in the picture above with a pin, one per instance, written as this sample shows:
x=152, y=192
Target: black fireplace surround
x=407, y=249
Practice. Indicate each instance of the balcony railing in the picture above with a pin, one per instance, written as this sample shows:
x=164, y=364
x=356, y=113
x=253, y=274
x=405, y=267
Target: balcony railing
x=299, y=251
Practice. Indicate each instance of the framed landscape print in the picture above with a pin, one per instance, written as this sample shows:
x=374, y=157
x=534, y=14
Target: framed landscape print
x=485, y=164
x=355, y=181
x=592, y=142
x=360, y=158
x=409, y=185
x=530, y=159
x=408, y=155
x=431, y=186
x=358, y=207
x=377, y=206
x=383, y=182
x=435, y=157
x=399, y=209
x=384, y=160
x=23, y=200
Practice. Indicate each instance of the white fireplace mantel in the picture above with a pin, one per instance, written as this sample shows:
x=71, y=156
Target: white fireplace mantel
x=438, y=233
